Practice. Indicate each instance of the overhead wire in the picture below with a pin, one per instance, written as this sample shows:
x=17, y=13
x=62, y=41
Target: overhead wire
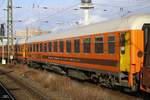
x=101, y=4
x=122, y=8
x=57, y=13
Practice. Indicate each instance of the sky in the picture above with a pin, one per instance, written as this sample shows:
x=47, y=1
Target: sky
x=62, y=14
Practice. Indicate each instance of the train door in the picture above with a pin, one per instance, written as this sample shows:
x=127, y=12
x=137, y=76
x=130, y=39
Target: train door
x=146, y=66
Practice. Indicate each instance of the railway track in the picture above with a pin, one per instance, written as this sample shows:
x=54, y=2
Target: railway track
x=24, y=84
x=5, y=94
x=73, y=82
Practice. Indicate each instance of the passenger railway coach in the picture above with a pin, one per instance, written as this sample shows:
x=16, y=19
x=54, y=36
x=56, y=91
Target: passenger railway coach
x=115, y=52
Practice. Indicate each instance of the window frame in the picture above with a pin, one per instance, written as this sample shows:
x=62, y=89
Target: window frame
x=30, y=47
x=61, y=49
x=34, y=48
x=70, y=46
x=89, y=46
x=37, y=47
x=78, y=46
x=44, y=46
x=101, y=36
x=41, y=47
x=50, y=46
x=55, y=47
x=111, y=42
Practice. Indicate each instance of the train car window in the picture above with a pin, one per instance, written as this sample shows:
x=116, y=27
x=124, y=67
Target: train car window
x=68, y=46
x=50, y=46
x=111, y=44
x=87, y=45
x=45, y=47
x=41, y=49
x=33, y=47
x=20, y=48
x=30, y=48
x=55, y=46
x=99, y=45
x=16, y=48
x=61, y=46
x=77, y=46
x=37, y=47
x=122, y=42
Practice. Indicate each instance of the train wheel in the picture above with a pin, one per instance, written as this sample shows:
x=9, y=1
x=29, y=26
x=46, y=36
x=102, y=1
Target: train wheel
x=94, y=78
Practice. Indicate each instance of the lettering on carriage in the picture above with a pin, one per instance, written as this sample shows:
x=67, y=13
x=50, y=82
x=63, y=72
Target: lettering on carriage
x=104, y=62
x=64, y=59
x=89, y=61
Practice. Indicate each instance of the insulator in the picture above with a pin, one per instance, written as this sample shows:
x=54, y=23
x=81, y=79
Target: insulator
x=86, y=1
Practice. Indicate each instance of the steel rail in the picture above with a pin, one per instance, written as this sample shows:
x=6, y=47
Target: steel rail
x=6, y=94
x=25, y=84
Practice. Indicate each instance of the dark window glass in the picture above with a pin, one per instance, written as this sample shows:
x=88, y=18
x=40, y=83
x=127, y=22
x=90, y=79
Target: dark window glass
x=37, y=47
x=122, y=42
x=55, y=46
x=99, y=45
x=30, y=48
x=77, y=46
x=50, y=46
x=15, y=48
x=111, y=44
x=122, y=39
x=45, y=47
x=87, y=45
x=41, y=47
x=68, y=46
x=34, y=47
x=61, y=46
x=20, y=48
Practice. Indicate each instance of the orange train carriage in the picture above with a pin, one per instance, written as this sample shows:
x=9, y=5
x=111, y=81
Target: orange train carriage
x=115, y=52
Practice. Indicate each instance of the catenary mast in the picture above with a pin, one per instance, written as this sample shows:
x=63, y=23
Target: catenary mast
x=10, y=49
